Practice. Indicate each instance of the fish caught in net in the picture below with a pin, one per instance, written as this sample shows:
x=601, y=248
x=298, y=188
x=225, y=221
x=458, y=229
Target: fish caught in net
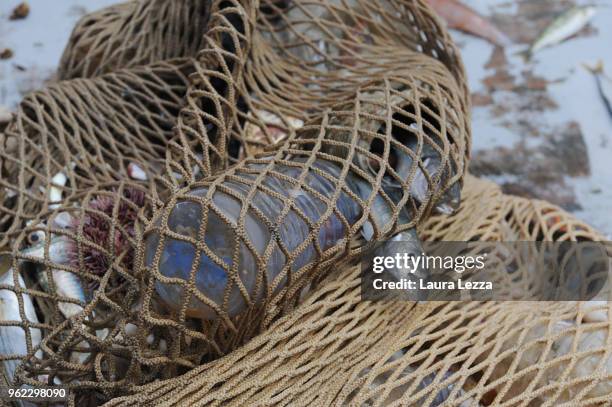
x=198, y=186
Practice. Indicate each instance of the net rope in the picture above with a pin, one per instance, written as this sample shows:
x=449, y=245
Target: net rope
x=257, y=141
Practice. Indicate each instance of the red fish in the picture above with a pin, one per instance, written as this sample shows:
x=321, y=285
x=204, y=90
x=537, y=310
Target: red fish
x=461, y=17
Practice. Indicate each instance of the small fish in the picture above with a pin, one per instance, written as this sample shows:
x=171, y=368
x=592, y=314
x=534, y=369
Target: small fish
x=460, y=17
x=13, y=340
x=400, y=160
x=450, y=200
x=563, y=27
x=66, y=284
x=431, y=159
x=604, y=85
x=62, y=220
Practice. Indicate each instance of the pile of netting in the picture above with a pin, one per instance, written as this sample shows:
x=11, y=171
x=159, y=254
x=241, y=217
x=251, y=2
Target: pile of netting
x=181, y=214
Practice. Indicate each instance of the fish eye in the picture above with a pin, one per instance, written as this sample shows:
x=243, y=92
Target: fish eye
x=35, y=237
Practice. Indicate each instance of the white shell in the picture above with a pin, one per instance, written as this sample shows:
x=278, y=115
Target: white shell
x=130, y=329
x=55, y=192
x=136, y=172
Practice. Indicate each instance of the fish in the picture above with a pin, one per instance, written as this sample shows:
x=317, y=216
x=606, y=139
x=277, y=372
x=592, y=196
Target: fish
x=563, y=27
x=431, y=162
x=461, y=17
x=405, y=137
x=177, y=257
x=13, y=340
x=403, y=242
x=65, y=283
x=604, y=85
x=553, y=342
x=450, y=199
x=442, y=395
x=323, y=39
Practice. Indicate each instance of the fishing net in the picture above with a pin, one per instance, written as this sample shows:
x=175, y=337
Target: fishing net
x=257, y=141
x=134, y=33
x=336, y=349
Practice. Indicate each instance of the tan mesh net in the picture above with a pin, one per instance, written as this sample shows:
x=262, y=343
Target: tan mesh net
x=134, y=33
x=335, y=349
x=268, y=144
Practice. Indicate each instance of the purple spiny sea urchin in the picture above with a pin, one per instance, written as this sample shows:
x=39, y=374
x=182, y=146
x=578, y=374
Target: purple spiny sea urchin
x=96, y=228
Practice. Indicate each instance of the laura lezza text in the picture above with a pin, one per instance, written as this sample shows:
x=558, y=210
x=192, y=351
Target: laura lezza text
x=405, y=284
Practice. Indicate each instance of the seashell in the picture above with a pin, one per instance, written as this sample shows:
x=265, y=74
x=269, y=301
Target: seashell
x=55, y=190
x=136, y=172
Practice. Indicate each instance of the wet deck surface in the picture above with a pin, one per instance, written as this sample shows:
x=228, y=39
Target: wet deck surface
x=540, y=128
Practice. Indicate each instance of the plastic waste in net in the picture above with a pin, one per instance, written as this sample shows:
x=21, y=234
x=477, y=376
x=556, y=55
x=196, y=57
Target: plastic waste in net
x=343, y=119
x=267, y=230
x=350, y=122
x=403, y=353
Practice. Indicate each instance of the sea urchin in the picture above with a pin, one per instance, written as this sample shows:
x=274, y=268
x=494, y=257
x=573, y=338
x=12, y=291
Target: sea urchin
x=95, y=230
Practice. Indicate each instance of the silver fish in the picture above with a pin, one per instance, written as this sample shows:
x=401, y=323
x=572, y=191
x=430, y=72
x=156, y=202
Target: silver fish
x=431, y=160
x=65, y=284
x=403, y=242
x=449, y=202
x=13, y=340
x=292, y=232
x=604, y=85
x=442, y=396
x=563, y=27
x=401, y=161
